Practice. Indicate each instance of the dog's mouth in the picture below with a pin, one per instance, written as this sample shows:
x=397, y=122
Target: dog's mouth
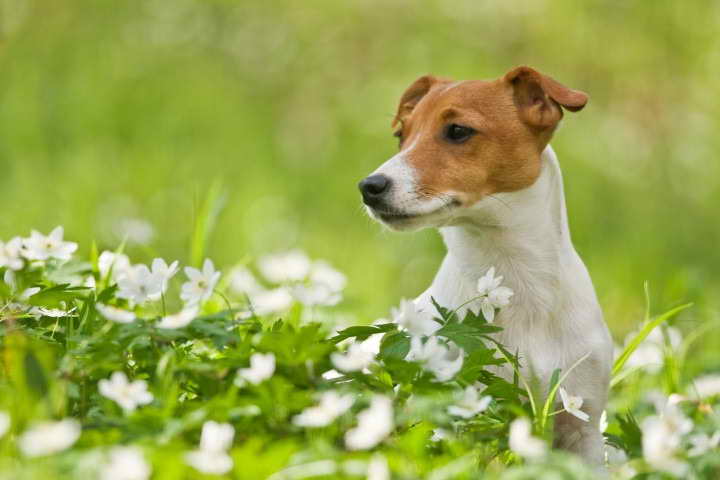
x=396, y=217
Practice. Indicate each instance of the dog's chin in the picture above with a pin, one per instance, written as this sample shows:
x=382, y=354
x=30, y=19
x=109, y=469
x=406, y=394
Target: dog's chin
x=400, y=221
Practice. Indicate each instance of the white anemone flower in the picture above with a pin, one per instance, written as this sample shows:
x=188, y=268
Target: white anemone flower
x=134, y=230
x=271, y=301
x=113, y=264
x=443, y=361
x=316, y=295
x=493, y=296
x=243, y=282
x=702, y=443
x=164, y=271
x=523, y=442
x=262, y=367
x=285, y=267
x=4, y=423
x=216, y=436
x=201, y=283
x=115, y=314
x=377, y=468
x=331, y=406
x=212, y=458
x=41, y=247
x=706, y=386
x=357, y=357
x=138, y=284
x=374, y=424
x=470, y=404
x=52, y=312
x=649, y=355
x=126, y=463
x=573, y=404
x=178, y=320
x=603, y=421
x=662, y=437
x=322, y=273
x=417, y=322
x=129, y=395
x=209, y=462
x=11, y=254
x=47, y=438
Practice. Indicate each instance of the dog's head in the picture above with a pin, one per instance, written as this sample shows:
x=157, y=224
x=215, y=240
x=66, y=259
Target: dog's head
x=461, y=142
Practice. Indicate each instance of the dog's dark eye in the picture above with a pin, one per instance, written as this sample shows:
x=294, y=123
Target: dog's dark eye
x=457, y=133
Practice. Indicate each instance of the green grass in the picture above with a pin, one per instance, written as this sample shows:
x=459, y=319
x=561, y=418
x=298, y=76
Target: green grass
x=239, y=128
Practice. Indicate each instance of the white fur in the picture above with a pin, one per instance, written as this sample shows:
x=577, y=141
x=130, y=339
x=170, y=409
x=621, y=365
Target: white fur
x=554, y=317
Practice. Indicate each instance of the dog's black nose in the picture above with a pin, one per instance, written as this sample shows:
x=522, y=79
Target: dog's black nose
x=373, y=188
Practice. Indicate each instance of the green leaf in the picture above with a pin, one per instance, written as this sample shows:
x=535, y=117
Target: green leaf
x=642, y=335
x=35, y=375
x=394, y=346
x=468, y=337
x=362, y=332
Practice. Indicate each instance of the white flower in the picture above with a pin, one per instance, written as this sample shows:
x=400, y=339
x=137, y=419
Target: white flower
x=243, y=282
x=49, y=437
x=111, y=263
x=703, y=443
x=292, y=266
x=374, y=424
x=51, y=312
x=488, y=282
x=573, y=405
x=162, y=270
x=470, y=404
x=212, y=463
x=271, y=301
x=178, y=320
x=357, y=357
x=603, y=421
x=316, y=295
x=201, y=284
x=415, y=321
x=126, y=463
x=378, y=468
x=649, y=354
x=129, y=395
x=331, y=406
x=661, y=439
x=332, y=375
x=211, y=457
x=443, y=361
x=262, y=367
x=216, y=437
x=439, y=434
x=10, y=254
x=523, y=443
x=41, y=247
x=138, y=284
x=134, y=230
x=706, y=386
x=28, y=292
x=493, y=295
x=322, y=273
x=4, y=423
x=115, y=314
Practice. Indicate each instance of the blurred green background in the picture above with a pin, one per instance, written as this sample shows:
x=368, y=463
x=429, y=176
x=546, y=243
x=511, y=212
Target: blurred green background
x=131, y=110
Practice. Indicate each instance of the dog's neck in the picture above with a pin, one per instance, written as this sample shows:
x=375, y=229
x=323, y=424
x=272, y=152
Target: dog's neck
x=524, y=235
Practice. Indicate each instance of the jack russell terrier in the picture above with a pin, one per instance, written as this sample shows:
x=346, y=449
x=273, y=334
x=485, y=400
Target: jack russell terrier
x=475, y=162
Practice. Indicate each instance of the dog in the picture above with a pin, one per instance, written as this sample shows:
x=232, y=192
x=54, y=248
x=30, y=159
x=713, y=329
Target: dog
x=475, y=162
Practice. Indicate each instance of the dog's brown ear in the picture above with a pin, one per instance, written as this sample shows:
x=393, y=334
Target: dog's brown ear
x=539, y=97
x=412, y=96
